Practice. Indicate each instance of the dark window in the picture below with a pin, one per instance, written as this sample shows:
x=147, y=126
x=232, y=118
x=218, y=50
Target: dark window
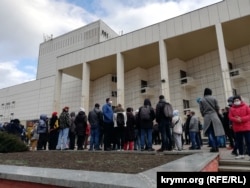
x=185, y=104
x=183, y=74
x=230, y=66
x=114, y=93
x=234, y=92
x=114, y=79
x=143, y=85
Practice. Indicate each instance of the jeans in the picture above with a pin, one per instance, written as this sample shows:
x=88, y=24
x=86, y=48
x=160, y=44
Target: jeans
x=63, y=139
x=240, y=141
x=166, y=135
x=211, y=137
x=148, y=133
x=221, y=140
x=94, y=138
x=194, y=138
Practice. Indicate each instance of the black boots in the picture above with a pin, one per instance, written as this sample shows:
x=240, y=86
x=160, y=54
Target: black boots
x=214, y=150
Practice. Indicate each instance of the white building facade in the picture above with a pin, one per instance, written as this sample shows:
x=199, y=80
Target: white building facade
x=178, y=58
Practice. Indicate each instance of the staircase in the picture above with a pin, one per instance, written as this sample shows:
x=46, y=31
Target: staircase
x=242, y=165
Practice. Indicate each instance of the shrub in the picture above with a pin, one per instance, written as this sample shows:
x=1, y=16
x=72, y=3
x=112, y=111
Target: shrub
x=11, y=143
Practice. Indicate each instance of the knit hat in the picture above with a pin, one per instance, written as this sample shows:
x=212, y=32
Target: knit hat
x=54, y=113
x=66, y=108
x=82, y=109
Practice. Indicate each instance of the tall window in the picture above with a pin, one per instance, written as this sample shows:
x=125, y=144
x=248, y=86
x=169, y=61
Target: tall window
x=234, y=92
x=114, y=93
x=114, y=78
x=143, y=85
x=183, y=74
x=185, y=104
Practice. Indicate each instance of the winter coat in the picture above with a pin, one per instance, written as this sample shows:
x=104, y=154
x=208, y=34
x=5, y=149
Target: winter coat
x=72, y=128
x=210, y=115
x=130, y=125
x=194, y=124
x=147, y=124
x=242, y=111
x=64, y=120
x=177, y=126
x=52, y=123
x=42, y=124
x=95, y=118
x=81, y=123
x=159, y=111
x=107, y=113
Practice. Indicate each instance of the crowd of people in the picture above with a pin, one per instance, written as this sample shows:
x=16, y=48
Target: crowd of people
x=109, y=128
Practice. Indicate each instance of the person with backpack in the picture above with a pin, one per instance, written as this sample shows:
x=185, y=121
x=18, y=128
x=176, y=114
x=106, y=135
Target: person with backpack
x=72, y=131
x=146, y=118
x=120, y=119
x=164, y=115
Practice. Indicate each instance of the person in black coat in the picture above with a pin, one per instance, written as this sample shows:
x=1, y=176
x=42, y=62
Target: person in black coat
x=81, y=125
x=129, y=130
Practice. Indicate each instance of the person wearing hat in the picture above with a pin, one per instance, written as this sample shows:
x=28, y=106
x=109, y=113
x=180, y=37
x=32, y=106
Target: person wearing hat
x=64, y=124
x=81, y=125
x=239, y=114
x=213, y=127
x=53, y=131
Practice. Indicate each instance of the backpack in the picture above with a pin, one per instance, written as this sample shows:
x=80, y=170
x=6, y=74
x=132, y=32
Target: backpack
x=120, y=119
x=168, y=110
x=145, y=113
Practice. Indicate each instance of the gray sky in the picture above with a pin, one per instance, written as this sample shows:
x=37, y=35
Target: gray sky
x=25, y=22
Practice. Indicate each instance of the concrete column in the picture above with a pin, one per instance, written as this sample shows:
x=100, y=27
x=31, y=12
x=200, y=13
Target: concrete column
x=120, y=78
x=223, y=62
x=57, y=94
x=85, y=86
x=164, y=70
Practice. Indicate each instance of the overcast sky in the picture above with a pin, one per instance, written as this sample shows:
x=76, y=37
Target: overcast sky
x=25, y=22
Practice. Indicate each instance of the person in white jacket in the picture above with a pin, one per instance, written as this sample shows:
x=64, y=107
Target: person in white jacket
x=177, y=130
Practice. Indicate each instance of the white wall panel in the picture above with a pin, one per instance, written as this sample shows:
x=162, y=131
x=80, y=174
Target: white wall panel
x=142, y=36
x=178, y=25
x=186, y=21
x=223, y=12
x=170, y=28
x=163, y=29
x=244, y=6
x=233, y=9
x=213, y=14
x=195, y=20
x=204, y=17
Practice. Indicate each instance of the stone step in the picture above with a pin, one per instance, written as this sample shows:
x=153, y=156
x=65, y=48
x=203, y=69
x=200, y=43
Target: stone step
x=233, y=169
x=242, y=165
x=240, y=162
